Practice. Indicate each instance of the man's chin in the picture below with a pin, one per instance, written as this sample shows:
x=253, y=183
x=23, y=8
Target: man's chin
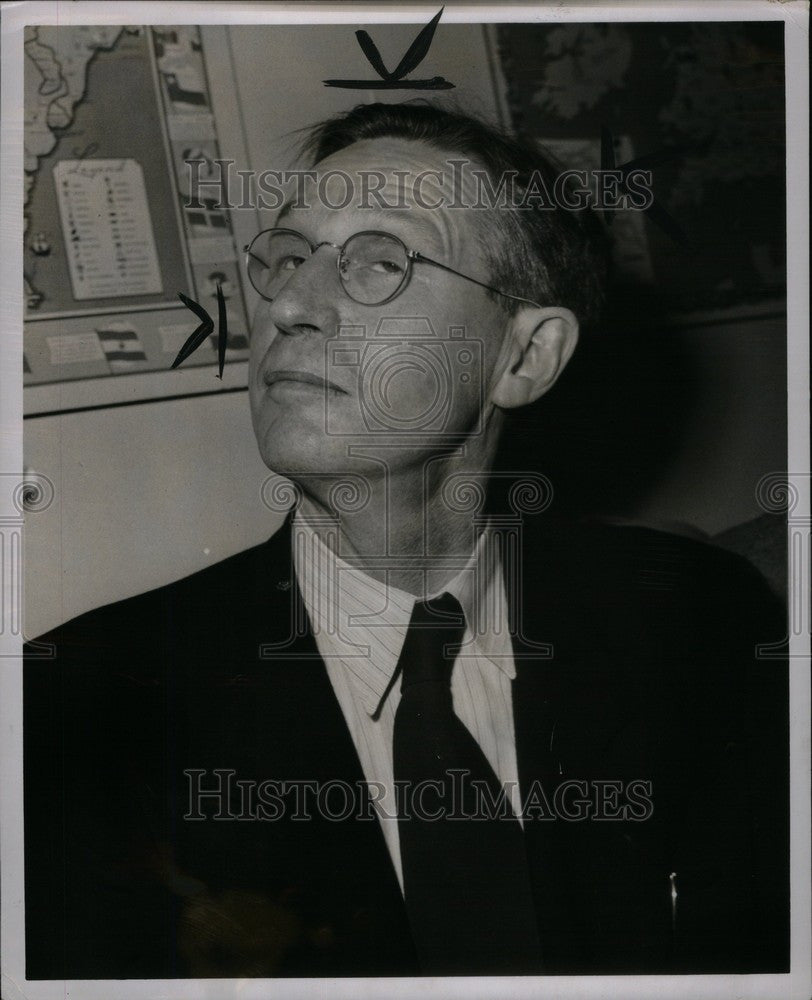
x=299, y=447
x=308, y=452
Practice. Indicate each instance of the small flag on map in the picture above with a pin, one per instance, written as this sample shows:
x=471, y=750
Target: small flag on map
x=205, y=216
x=121, y=346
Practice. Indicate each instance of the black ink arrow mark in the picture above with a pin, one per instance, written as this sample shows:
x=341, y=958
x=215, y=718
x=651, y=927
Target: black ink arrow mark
x=415, y=54
x=222, y=330
x=655, y=212
x=205, y=330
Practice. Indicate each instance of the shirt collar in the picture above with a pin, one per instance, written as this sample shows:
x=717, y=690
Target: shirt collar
x=362, y=621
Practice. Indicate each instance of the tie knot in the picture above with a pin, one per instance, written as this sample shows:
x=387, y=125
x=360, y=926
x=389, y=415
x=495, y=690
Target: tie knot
x=432, y=642
x=444, y=611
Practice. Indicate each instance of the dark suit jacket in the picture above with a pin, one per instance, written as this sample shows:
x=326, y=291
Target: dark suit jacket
x=653, y=677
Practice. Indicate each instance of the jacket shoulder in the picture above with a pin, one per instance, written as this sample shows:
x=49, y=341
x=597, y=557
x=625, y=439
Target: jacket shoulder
x=226, y=591
x=657, y=575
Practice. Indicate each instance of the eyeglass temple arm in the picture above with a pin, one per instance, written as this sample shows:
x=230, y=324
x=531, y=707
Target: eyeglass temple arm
x=416, y=255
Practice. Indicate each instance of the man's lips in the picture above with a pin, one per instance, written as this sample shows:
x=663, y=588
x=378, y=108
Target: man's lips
x=307, y=378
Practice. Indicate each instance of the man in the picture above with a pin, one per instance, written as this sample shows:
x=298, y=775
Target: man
x=561, y=751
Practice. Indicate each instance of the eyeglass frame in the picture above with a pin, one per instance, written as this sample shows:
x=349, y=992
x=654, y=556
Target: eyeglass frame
x=412, y=257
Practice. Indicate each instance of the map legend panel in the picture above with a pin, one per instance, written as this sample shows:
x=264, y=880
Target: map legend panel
x=112, y=233
x=108, y=232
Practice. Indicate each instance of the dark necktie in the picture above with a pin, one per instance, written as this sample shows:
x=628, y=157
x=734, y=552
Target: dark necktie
x=466, y=883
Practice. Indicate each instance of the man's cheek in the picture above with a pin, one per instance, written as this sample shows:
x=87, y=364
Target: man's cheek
x=403, y=387
x=260, y=343
x=262, y=329
x=400, y=392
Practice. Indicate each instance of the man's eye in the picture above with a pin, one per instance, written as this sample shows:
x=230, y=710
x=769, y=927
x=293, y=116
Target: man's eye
x=290, y=263
x=386, y=267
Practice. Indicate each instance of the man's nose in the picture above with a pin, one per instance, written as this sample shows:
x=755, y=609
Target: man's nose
x=308, y=301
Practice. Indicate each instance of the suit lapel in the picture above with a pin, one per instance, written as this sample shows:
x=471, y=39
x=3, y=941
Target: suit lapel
x=267, y=711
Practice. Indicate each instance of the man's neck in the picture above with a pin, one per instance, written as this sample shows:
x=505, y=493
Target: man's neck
x=413, y=532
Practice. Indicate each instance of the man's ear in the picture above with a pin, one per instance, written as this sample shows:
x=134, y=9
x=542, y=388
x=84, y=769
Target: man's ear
x=537, y=346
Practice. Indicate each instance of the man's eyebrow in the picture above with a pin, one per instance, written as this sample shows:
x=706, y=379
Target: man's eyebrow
x=414, y=220
x=385, y=218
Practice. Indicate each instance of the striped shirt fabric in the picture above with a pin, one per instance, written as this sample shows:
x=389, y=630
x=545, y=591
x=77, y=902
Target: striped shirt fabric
x=360, y=624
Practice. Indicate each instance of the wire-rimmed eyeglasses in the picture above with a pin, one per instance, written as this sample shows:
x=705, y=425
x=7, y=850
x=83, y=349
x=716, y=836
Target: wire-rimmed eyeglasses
x=373, y=266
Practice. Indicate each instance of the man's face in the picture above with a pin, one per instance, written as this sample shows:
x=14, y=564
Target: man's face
x=328, y=372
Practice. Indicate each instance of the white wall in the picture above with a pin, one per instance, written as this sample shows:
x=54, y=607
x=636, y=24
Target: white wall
x=143, y=495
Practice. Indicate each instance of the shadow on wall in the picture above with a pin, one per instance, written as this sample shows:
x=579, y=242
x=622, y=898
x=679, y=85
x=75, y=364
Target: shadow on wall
x=612, y=425
x=622, y=417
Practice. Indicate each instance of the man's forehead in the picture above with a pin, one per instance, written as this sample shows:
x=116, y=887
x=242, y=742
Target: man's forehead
x=386, y=180
x=386, y=154
x=428, y=227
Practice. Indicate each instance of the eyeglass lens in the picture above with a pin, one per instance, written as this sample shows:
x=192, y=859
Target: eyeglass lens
x=372, y=266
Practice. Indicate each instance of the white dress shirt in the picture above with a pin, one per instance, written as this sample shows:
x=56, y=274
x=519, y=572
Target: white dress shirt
x=360, y=625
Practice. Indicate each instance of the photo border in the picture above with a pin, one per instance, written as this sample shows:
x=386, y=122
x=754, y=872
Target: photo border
x=14, y=16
